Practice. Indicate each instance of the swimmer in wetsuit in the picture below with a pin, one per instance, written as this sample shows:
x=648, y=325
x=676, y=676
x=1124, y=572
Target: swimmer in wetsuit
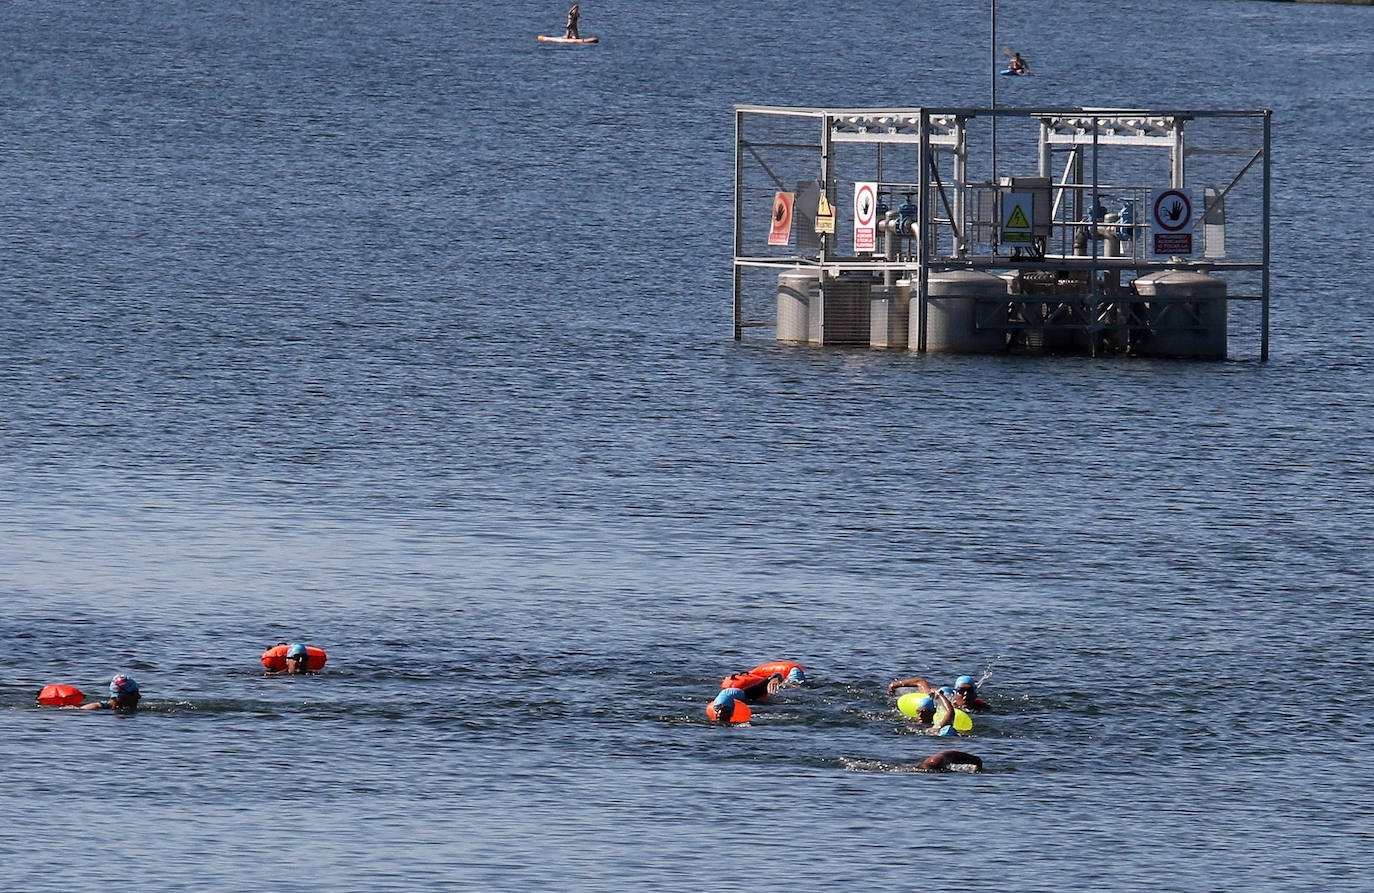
x=754, y=688
x=947, y=760
x=124, y=696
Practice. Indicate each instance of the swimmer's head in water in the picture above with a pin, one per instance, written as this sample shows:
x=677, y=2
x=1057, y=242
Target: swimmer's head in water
x=123, y=685
x=297, y=659
x=796, y=676
x=965, y=686
x=925, y=708
x=729, y=708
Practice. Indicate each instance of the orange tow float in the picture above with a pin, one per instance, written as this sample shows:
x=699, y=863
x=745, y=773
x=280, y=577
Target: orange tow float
x=60, y=696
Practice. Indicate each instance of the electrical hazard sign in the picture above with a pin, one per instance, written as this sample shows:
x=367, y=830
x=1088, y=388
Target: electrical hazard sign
x=1016, y=218
x=781, y=234
x=825, y=217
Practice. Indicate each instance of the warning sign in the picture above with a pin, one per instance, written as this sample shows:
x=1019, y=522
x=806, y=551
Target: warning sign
x=865, y=208
x=1016, y=218
x=1171, y=219
x=781, y=234
x=825, y=216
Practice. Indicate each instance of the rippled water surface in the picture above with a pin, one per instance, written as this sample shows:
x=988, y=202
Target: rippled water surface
x=380, y=326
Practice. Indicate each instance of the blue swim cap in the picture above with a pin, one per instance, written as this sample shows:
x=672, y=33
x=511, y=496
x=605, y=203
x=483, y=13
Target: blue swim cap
x=926, y=703
x=123, y=685
x=796, y=675
x=296, y=650
x=946, y=730
x=963, y=680
x=728, y=695
x=947, y=692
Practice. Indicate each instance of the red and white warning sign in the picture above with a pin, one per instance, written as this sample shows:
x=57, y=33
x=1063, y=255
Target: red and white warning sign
x=781, y=234
x=865, y=210
x=1171, y=220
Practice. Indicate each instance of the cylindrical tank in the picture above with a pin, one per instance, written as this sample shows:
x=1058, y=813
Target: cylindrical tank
x=959, y=301
x=798, y=291
x=845, y=310
x=1186, y=315
x=834, y=313
x=888, y=321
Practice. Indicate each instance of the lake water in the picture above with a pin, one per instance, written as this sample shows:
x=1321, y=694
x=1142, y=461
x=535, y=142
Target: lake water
x=382, y=327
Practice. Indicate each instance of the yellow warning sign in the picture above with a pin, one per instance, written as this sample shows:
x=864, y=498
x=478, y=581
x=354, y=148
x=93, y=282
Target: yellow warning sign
x=1016, y=218
x=825, y=216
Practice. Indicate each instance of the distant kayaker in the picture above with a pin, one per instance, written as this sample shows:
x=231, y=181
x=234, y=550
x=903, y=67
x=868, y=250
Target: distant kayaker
x=573, y=15
x=1018, y=65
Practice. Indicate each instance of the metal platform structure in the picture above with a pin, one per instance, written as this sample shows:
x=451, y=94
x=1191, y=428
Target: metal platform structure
x=1114, y=231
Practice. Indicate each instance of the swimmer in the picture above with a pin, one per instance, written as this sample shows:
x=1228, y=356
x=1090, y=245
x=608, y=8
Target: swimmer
x=938, y=710
x=297, y=659
x=124, y=696
x=753, y=687
x=294, y=659
x=966, y=695
x=729, y=706
x=965, y=692
x=948, y=760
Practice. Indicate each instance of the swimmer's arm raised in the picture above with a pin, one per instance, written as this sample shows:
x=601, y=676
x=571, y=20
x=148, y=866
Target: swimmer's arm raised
x=945, y=715
x=915, y=682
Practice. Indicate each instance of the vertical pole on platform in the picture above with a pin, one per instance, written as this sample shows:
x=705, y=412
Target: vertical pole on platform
x=1264, y=274
x=992, y=82
x=739, y=308
x=923, y=222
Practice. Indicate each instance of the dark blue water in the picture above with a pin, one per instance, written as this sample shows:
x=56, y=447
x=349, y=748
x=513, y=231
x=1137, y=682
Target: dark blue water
x=383, y=327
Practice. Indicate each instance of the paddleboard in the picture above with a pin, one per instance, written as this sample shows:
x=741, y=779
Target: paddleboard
x=1006, y=72
x=544, y=38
